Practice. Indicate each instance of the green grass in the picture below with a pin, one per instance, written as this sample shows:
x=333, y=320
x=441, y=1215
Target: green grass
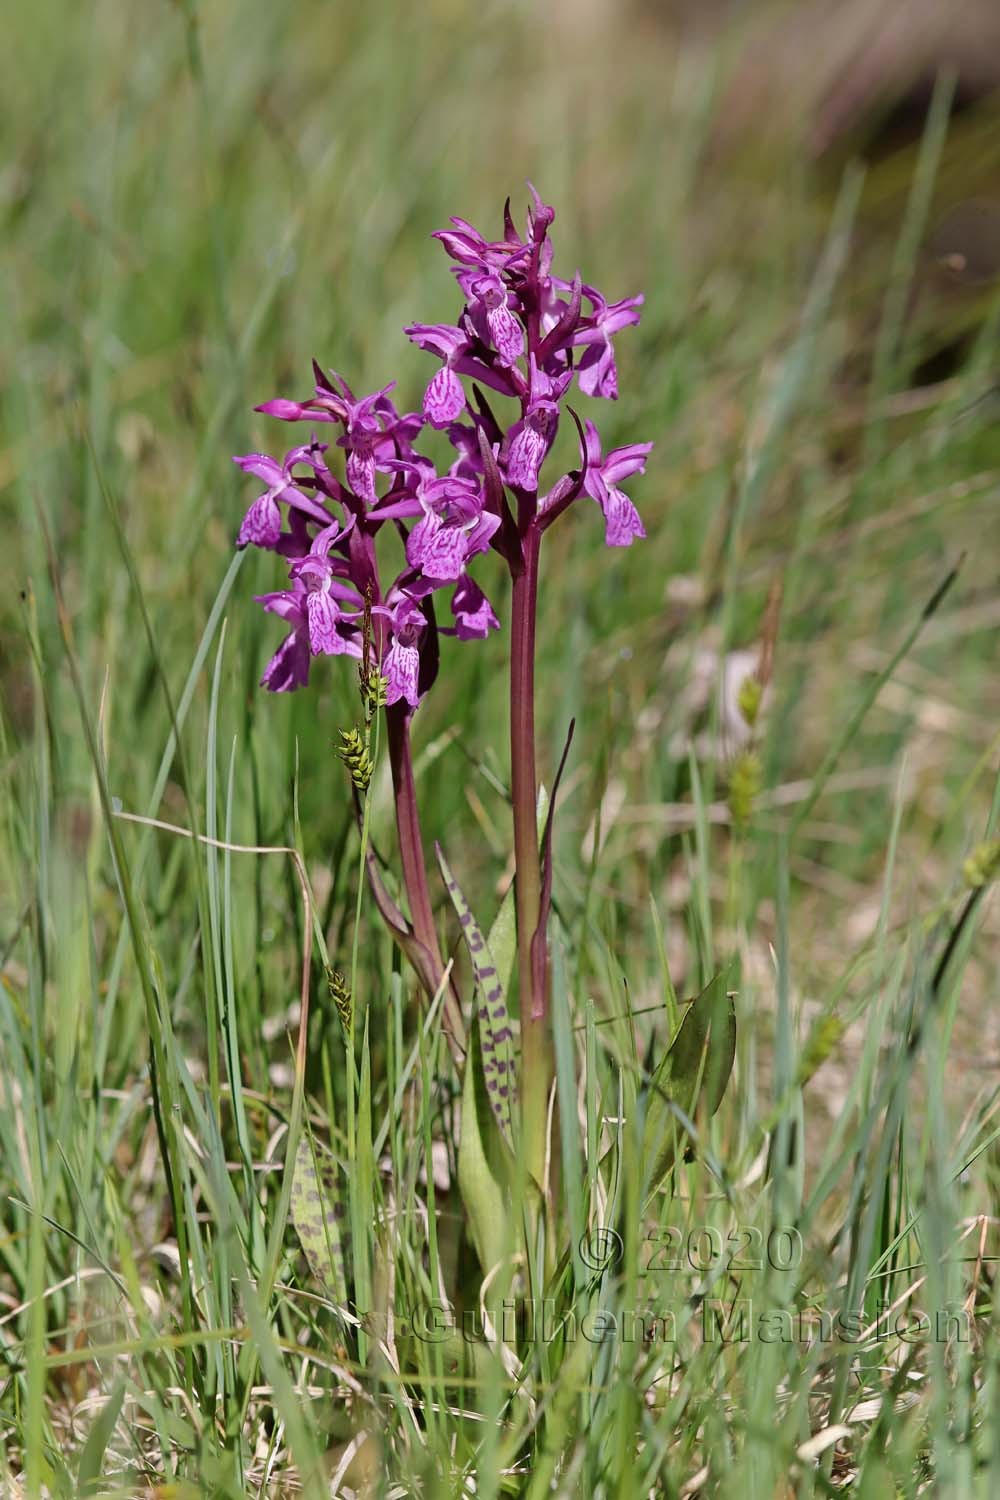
x=195, y=200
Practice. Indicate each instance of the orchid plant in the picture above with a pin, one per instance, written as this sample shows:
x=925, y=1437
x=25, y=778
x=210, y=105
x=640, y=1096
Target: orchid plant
x=524, y=334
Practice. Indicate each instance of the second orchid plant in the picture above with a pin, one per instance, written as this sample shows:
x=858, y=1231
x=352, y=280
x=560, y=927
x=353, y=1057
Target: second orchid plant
x=524, y=334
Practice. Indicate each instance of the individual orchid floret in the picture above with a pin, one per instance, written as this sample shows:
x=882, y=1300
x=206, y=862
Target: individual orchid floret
x=441, y=545
x=333, y=630
x=262, y=523
x=373, y=429
x=505, y=331
x=401, y=663
x=310, y=455
x=454, y=527
x=597, y=372
x=465, y=351
x=600, y=481
x=530, y=439
x=444, y=398
x=528, y=442
x=474, y=614
x=467, y=247
x=289, y=666
x=369, y=438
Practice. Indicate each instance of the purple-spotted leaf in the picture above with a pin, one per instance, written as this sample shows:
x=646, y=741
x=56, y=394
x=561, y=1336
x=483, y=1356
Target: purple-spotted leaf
x=496, y=1039
x=317, y=1211
x=479, y=1184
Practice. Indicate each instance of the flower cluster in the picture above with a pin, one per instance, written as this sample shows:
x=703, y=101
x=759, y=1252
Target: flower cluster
x=523, y=333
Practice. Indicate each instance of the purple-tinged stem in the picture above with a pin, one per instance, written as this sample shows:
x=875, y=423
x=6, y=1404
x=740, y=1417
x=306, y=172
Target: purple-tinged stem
x=411, y=851
x=536, y=1047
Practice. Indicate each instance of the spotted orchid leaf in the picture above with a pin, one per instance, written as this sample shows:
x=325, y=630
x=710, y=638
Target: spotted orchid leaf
x=317, y=1212
x=496, y=1039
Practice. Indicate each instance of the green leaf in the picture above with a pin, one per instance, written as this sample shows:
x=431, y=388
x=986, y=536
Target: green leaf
x=496, y=1039
x=481, y=1192
x=502, y=941
x=89, y=1477
x=693, y=1074
x=317, y=1212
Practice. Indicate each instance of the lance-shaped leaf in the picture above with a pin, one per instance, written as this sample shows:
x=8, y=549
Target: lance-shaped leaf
x=496, y=1040
x=90, y=1474
x=481, y=1191
x=317, y=1212
x=692, y=1076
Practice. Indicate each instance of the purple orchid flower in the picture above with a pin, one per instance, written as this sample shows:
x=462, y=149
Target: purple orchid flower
x=600, y=481
x=465, y=351
x=454, y=527
x=444, y=398
x=314, y=608
x=597, y=373
x=401, y=662
x=474, y=615
x=332, y=628
x=527, y=444
x=525, y=332
x=467, y=246
x=504, y=330
x=372, y=429
x=262, y=523
x=289, y=666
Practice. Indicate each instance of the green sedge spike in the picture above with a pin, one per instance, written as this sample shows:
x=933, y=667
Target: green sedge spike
x=744, y=787
x=983, y=864
x=354, y=753
x=373, y=689
x=749, y=700
x=341, y=996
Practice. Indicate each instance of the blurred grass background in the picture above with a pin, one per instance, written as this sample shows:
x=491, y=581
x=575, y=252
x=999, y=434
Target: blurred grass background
x=196, y=199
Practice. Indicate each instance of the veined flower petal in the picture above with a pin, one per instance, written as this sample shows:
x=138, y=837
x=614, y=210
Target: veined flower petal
x=506, y=332
x=597, y=373
x=361, y=474
x=524, y=458
x=474, y=614
x=261, y=466
x=261, y=524
x=622, y=521
x=323, y=614
x=401, y=669
x=444, y=398
x=436, y=549
x=288, y=668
